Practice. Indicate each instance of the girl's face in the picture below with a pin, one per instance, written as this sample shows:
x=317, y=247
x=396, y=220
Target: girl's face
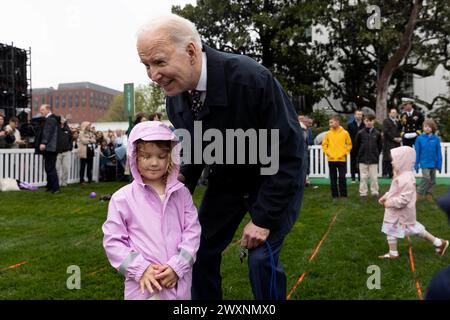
x=152, y=162
x=427, y=129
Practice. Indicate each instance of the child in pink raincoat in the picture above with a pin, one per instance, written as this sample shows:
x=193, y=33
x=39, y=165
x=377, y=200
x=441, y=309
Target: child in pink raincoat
x=152, y=232
x=400, y=205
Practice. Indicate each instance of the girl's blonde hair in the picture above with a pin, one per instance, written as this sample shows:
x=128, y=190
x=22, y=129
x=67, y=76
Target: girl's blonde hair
x=165, y=145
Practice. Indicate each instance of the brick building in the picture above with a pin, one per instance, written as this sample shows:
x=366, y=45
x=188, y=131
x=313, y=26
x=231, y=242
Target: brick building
x=78, y=101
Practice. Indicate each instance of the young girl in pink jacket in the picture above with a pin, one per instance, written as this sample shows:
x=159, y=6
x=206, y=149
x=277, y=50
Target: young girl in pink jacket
x=152, y=232
x=400, y=205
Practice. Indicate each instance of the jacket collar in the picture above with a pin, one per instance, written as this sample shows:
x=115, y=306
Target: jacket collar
x=216, y=90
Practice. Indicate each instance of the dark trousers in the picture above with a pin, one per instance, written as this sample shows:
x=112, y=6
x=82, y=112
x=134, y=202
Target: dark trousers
x=206, y=279
x=387, y=169
x=50, y=170
x=408, y=142
x=335, y=169
x=83, y=162
x=354, y=168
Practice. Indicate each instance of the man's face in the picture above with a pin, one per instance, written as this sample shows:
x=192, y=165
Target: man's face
x=393, y=114
x=358, y=115
x=44, y=111
x=407, y=107
x=175, y=69
x=13, y=125
x=333, y=123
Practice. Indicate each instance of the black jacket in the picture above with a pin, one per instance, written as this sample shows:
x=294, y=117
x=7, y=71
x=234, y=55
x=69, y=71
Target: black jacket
x=7, y=140
x=368, y=144
x=65, y=142
x=391, y=130
x=50, y=133
x=413, y=123
x=242, y=94
x=353, y=130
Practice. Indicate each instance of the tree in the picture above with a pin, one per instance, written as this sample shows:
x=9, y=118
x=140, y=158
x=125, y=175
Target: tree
x=148, y=98
x=413, y=40
x=375, y=63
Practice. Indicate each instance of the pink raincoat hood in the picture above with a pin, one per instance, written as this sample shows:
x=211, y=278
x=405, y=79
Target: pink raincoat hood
x=151, y=131
x=403, y=158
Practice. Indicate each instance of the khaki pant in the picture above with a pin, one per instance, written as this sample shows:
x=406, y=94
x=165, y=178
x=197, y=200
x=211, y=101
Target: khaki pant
x=368, y=171
x=63, y=167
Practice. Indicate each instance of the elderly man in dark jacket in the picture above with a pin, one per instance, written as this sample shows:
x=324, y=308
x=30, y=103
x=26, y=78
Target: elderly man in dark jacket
x=49, y=146
x=231, y=93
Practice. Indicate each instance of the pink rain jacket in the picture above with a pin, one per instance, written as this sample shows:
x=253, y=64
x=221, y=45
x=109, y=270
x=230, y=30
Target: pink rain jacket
x=141, y=229
x=401, y=198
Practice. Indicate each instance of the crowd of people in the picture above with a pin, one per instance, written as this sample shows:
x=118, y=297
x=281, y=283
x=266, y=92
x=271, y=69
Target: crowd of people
x=53, y=137
x=365, y=144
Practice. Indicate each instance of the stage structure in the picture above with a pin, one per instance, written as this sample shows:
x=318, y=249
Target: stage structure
x=15, y=80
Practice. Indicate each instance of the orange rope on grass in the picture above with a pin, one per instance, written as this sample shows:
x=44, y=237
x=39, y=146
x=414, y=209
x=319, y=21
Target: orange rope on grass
x=302, y=277
x=413, y=269
x=14, y=266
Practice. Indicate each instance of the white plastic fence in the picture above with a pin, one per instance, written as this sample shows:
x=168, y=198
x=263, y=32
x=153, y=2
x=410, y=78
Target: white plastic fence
x=25, y=165
x=318, y=165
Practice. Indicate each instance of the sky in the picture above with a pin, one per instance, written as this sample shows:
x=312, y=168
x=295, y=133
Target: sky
x=81, y=40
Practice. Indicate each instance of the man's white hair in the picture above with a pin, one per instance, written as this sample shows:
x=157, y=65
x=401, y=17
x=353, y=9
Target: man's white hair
x=179, y=30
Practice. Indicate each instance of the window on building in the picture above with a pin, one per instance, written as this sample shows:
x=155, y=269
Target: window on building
x=408, y=85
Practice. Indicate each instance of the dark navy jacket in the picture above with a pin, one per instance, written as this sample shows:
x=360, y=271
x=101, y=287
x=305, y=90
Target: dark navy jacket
x=241, y=93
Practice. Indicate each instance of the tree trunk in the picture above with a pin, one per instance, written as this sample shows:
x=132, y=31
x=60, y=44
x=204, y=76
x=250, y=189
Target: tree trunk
x=393, y=63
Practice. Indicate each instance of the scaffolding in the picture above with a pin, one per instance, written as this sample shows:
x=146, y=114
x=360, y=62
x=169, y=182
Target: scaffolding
x=15, y=80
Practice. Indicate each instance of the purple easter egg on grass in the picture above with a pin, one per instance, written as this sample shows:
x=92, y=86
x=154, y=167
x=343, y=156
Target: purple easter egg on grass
x=93, y=195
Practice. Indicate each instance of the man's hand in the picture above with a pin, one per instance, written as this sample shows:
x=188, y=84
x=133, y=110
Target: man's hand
x=42, y=147
x=253, y=236
x=382, y=201
x=148, y=278
x=166, y=276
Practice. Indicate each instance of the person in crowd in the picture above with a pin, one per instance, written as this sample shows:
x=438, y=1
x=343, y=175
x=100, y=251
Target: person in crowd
x=429, y=158
x=99, y=137
x=152, y=232
x=353, y=128
x=121, y=154
x=86, y=151
x=223, y=90
x=7, y=137
x=391, y=139
x=107, y=162
x=13, y=128
x=65, y=146
x=400, y=205
x=75, y=136
x=48, y=145
x=336, y=145
x=411, y=121
x=369, y=145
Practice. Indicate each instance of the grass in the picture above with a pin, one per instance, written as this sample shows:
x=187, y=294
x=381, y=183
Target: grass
x=52, y=232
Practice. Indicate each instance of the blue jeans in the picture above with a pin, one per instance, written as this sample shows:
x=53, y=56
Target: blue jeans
x=206, y=278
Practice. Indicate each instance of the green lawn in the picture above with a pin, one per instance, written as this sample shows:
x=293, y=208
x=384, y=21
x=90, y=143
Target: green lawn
x=53, y=232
